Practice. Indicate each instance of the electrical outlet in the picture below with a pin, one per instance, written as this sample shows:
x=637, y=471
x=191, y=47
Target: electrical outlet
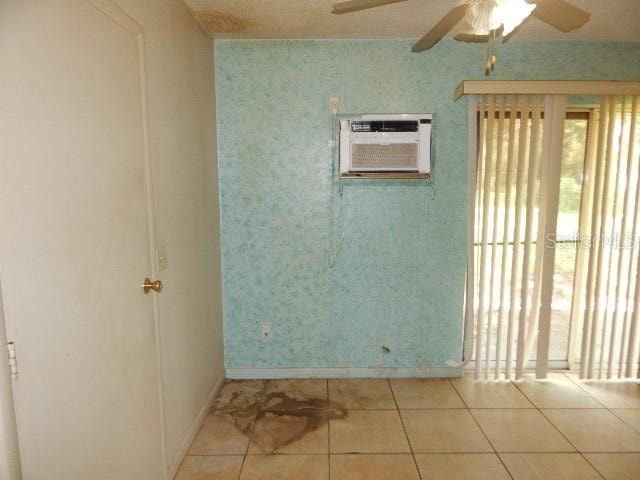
x=266, y=332
x=334, y=105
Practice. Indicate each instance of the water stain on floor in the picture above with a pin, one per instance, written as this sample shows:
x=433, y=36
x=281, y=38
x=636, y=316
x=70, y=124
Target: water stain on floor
x=274, y=415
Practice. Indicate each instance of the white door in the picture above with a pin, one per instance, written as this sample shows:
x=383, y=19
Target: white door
x=75, y=241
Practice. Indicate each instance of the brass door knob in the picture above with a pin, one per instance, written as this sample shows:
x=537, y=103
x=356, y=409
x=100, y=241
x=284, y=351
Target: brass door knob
x=148, y=285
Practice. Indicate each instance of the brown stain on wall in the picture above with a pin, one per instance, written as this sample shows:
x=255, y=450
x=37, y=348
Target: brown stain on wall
x=219, y=22
x=274, y=420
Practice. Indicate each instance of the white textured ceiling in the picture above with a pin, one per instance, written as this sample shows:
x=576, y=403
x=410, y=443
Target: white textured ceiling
x=610, y=20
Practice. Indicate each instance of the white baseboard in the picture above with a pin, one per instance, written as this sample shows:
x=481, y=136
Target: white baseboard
x=193, y=430
x=372, y=372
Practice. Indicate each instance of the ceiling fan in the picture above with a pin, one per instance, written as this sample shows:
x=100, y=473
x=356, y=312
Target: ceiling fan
x=485, y=20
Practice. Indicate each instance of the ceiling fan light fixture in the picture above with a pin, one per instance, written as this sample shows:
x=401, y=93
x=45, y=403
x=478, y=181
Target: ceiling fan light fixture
x=512, y=13
x=493, y=18
x=484, y=16
x=481, y=17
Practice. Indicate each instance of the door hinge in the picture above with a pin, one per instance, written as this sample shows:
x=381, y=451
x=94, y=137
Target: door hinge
x=13, y=362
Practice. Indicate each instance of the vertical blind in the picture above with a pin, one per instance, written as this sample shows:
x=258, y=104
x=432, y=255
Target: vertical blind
x=607, y=304
x=507, y=235
x=511, y=263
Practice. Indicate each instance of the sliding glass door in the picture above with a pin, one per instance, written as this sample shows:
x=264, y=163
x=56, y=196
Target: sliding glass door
x=566, y=238
x=555, y=253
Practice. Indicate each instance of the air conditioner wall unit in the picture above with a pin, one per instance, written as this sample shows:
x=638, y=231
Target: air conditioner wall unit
x=385, y=143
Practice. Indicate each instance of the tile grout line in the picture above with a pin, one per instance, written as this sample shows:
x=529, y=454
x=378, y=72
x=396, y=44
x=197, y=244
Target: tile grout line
x=584, y=390
x=478, y=408
x=328, y=428
x=495, y=452
x=346, y=454
x=246, y=452
x=413, y=454
x=624, y=421
x=558, y=429
x=610, y=410
x=605, y=407
x=244, y=457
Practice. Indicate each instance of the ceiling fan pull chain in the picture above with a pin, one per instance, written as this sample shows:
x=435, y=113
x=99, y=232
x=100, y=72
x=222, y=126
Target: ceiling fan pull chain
x=493, y=50
x=490, y=58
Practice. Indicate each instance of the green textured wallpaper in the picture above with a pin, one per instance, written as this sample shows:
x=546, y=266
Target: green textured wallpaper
x=394, y=296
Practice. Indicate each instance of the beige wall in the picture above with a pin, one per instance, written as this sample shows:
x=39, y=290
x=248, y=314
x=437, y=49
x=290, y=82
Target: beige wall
x=181, y=105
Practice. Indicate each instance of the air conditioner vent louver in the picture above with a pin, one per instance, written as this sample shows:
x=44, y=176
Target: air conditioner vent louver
x=396, y=156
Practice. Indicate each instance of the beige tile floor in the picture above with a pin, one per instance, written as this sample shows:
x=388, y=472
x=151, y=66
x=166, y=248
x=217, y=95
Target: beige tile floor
x=421, y=429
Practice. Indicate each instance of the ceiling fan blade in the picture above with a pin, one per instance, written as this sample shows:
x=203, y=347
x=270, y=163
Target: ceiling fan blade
x=434, y=35
x=560, y=14
x=355, y=5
